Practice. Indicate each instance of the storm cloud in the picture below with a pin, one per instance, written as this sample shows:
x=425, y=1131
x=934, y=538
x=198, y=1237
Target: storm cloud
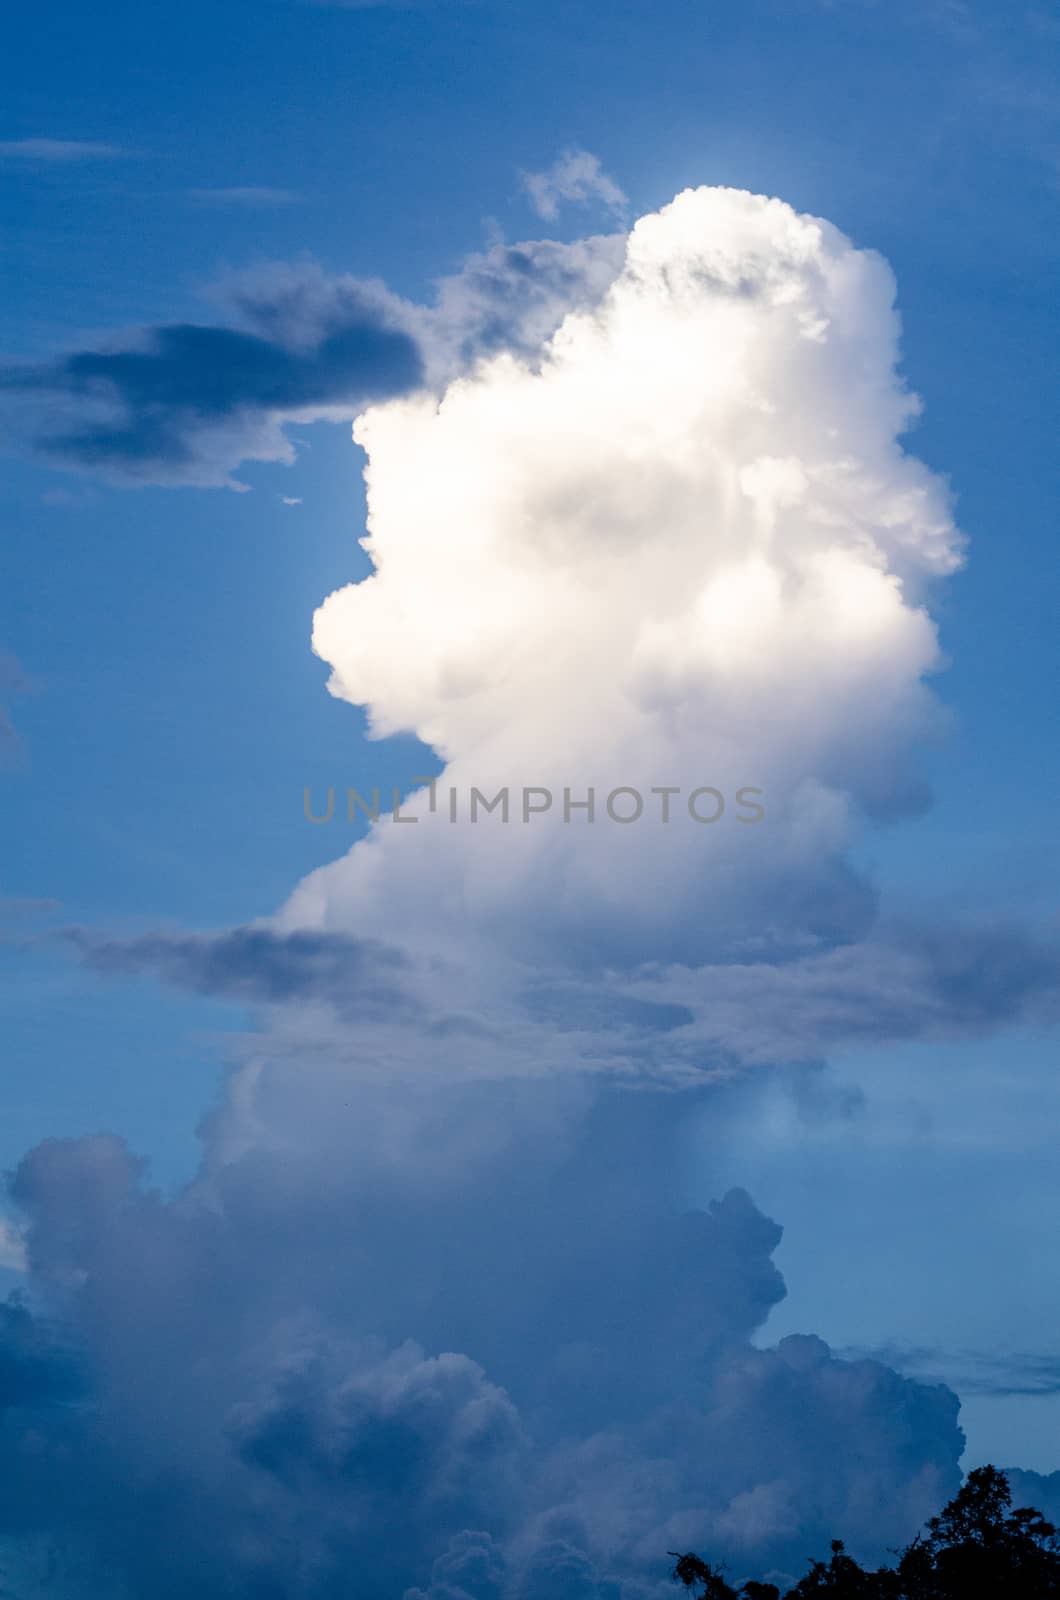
x=462, y=1346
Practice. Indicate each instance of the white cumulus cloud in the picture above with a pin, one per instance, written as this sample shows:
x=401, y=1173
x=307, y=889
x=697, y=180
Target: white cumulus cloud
x=679, y=544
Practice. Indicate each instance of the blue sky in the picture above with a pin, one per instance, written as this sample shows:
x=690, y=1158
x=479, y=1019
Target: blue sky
x=167, y=708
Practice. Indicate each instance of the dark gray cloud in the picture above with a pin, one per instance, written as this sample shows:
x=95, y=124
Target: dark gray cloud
x=925, y=980
x=933, y=979
x=372, y=5
x=254, y=196
x=36, y=1368
x=16, y=907
x=488, y=1353
x=257, y=965
x=471, y=1568
x=186, y=403
x=61, y=151
x=514, y=296
x=1038, y=1489
x=12, y=682
x=405, y=1446
x=989, y=1372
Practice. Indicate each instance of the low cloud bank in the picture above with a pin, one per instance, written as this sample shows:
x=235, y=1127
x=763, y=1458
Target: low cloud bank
x=488, y=1343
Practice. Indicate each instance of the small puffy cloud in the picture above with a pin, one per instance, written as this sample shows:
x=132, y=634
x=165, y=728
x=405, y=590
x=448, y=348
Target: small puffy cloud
x=575, y=177
x=58, y=151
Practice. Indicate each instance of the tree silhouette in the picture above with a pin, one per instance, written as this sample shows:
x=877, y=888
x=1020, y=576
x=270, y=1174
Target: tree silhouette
x=707, y=1583
x=977, y=1546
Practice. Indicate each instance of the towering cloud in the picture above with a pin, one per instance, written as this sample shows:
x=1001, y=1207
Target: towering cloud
x=678, y=548
x=436, y=1314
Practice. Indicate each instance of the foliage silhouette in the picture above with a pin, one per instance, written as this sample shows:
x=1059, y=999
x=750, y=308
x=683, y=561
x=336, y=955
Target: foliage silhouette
x=977, y=1546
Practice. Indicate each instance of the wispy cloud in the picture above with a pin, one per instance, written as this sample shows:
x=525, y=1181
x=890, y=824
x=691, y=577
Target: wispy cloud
x=369, y=5
x=257, y=965
x=988, y=1372
x=17, y=907
x=12, y=682
x=673, y=1025
x=59, y=151
x=252, y=196
x=67, y=499
x=576, y=177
